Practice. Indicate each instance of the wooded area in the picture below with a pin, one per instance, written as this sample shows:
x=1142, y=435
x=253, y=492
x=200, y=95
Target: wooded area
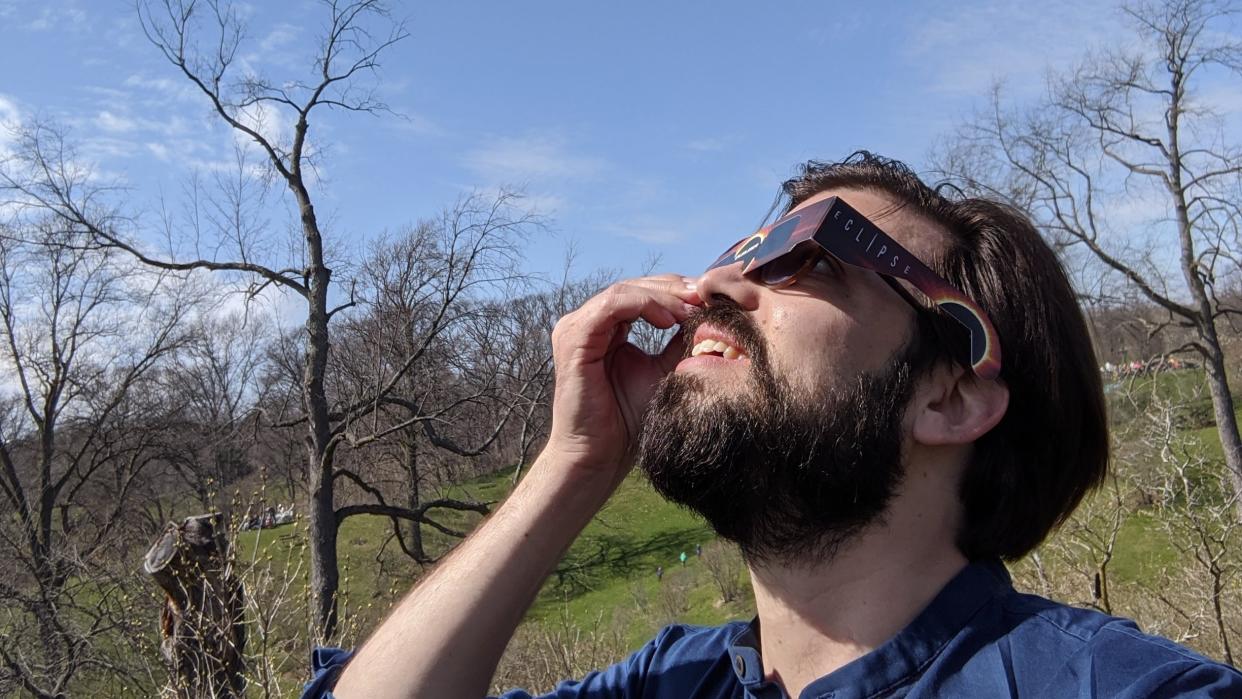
x=157, y=410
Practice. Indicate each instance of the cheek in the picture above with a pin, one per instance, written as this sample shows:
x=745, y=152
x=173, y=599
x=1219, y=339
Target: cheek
x=810, y=355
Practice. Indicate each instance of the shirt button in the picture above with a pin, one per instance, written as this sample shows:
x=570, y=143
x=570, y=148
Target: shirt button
x=739, y=666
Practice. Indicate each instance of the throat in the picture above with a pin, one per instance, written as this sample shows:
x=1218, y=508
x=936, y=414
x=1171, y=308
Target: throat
x=813, y=622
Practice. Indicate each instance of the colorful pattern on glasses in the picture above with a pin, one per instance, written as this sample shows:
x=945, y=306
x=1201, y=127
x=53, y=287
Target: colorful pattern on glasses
x=854, y=240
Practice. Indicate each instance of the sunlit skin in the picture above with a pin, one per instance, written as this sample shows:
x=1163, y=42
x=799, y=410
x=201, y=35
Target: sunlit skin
x=836, y=321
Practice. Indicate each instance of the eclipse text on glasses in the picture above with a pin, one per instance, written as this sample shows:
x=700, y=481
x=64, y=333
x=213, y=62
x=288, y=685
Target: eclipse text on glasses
x=783, y=251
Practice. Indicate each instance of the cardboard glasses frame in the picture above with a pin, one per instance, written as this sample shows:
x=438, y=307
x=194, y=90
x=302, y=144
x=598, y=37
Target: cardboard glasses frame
x=854, y=240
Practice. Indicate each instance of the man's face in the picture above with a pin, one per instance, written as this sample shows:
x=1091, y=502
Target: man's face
x=790, y=440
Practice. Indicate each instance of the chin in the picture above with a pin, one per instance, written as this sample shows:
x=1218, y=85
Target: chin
x=785, y=473
x=694, y=385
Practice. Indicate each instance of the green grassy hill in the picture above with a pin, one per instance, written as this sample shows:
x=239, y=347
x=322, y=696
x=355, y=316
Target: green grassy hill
x=609, y=577
x=612, y=566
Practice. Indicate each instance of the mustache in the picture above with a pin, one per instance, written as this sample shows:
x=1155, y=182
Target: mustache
x=725, y=314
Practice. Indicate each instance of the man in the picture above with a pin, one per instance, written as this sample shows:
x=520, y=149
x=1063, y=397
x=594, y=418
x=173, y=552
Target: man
x=875, y=436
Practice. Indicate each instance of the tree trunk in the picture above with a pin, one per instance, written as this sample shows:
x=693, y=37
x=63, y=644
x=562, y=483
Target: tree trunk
x=1226, y=418
x=410, y=452
x=324, y=574
x=1218, y=379
x=202, y=626
x=1103, y=600
x=58, y=659
x=321, y=508
x=1221, y=627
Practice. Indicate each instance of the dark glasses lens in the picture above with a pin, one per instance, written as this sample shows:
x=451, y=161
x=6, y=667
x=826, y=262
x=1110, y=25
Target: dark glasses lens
x=787, y=268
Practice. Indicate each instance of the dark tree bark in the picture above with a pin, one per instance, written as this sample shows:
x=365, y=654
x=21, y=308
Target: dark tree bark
x=409, y=453
x=202, y=625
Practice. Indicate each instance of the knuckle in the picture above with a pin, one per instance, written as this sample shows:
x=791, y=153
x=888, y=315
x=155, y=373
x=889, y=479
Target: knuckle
x=612, y=299
x=561, y=327
x=617, y=291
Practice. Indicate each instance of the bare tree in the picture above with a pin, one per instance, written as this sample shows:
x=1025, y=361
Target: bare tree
x=431, y=358
x=217, y=377
x=531, y=319
x=1128, y=129
x=81, y=339
x=724, y=561
x=1166, y=494
x=541, y=655
x=1197, y=506
x=202, y=40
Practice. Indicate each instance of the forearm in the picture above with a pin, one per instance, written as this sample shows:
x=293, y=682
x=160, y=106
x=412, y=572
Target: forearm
x=446, y=637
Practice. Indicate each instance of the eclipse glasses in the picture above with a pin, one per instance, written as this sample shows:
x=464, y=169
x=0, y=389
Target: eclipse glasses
x=781, y=253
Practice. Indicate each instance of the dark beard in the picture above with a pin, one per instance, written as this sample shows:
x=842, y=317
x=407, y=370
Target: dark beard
x=787, y=477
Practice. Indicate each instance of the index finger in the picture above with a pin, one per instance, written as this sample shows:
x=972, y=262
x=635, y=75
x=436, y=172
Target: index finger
x=685, y=288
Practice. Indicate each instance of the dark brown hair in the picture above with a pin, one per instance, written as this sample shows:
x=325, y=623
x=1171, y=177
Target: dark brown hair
x=1051, y=448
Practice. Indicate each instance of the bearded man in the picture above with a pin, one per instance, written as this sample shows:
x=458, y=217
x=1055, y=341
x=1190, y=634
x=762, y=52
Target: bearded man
x=878, y=397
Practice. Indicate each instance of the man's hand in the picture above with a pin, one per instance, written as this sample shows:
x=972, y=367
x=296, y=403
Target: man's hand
x=445, y=638
x=603, y=382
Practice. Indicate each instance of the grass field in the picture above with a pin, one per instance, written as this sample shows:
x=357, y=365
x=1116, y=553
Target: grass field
x=609, y=573
x=615, y=558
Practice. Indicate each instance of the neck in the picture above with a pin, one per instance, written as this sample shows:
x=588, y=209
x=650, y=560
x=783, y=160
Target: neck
x=817, y=617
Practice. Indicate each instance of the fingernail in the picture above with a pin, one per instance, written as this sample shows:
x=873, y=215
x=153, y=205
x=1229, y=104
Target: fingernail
x=691, y=286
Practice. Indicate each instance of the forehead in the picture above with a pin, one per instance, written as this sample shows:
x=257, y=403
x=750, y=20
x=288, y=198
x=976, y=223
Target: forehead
x=919, y=235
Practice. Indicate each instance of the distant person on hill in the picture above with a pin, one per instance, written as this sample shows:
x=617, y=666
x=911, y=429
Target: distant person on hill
x=879, y=398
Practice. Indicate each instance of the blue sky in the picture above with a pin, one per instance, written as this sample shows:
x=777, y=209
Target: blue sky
x=638, y=128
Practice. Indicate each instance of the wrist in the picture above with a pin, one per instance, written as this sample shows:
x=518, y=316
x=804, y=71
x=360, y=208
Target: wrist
x=575, y=478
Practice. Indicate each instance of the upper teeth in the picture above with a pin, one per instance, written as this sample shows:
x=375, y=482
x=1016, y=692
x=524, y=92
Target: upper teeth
x=716, y=346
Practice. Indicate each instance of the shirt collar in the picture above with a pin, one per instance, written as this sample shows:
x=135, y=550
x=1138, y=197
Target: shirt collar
x=902, y=656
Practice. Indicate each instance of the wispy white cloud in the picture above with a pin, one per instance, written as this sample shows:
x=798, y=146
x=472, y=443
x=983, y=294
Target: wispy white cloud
x=279, y=38
x=275, y=49
x=162, y=118
x=966, y=50
x=412, y=122
x=265, y=121
x=160, y=91
x=272, y=303
x=140, y=80
x=107, y=121
x=543, y=204
x=707, y=145
x=60, y=17
x=651, y=232
x=1222, y=96
x=101, y=148
x=159, y=150
x=530, y=159
x=546, y=204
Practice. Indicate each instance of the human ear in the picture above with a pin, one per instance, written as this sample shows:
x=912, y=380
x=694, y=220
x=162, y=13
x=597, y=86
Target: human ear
x=953, y=406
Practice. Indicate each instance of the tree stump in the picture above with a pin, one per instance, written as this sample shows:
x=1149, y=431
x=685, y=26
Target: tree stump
x=201, y=625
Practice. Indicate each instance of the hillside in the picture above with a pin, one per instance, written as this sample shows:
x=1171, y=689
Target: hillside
x=605, y=596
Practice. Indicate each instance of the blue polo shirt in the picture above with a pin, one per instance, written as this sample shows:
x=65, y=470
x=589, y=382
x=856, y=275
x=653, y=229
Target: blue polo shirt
x=978, y=638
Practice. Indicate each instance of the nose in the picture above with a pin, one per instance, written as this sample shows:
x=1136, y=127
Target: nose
x=729, y=282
